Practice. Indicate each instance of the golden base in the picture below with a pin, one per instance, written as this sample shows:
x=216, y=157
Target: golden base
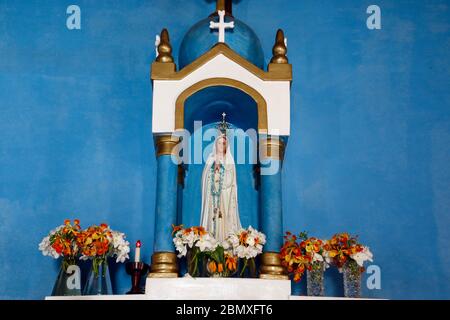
x=271, y=267
x=273, y=277
x=164, y=265
x=162, y=275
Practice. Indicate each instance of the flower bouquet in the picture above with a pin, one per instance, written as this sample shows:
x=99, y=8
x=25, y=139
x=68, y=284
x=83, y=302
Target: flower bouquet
x=315, y=270
x=62, y=242
x=193, y=243
x=301, y=254
x=348, y=255
x=294, y=256
x=98, y=243
x=246, y=244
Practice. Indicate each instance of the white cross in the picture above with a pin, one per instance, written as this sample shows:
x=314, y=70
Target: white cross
x=221, y=25
x=223, y=116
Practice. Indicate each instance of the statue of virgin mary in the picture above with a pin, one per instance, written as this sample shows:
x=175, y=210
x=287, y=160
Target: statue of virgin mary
x=220, y=213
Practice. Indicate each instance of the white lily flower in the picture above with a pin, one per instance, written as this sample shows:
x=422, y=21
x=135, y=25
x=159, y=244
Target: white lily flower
x=250, y=241
x=317, y=257
x=362, y=257
x=121, y=247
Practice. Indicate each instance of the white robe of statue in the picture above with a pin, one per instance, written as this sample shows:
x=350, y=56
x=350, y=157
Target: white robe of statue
x=220, y=213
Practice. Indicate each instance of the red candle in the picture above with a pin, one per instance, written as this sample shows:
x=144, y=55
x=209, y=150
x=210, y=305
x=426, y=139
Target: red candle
x=137, y=256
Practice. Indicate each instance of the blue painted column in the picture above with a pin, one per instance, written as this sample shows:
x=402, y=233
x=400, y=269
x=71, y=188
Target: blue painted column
x=271, y=158
x=166, y=203
x=271, y=206
x=164, y=259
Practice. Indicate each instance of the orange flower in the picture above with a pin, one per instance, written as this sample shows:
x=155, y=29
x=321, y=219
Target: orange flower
x=212, y=267
x=199, y=231
x=175, y=228
x=220, y=268
x=231, y=263
x=243, y=237
x=95, y=241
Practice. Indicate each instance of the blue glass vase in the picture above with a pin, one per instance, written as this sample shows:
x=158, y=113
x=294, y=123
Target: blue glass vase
x=99, y=280
x=68, y=281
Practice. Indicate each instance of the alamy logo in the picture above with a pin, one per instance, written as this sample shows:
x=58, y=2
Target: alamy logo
x=73, y=22
x=374, y=20
x=74, y=280
x=374, y=278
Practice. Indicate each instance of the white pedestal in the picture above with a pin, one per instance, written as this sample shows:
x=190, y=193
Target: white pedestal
x=217, y=289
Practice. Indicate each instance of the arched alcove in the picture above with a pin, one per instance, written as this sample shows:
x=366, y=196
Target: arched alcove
x=206, y=107
x=235, y=89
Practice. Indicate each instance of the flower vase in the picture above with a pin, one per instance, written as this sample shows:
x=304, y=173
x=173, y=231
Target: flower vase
x=194, y=262
x=247, y=268
x=68, y=281
x=315, y=280
x=352, y=279
x=99, y=280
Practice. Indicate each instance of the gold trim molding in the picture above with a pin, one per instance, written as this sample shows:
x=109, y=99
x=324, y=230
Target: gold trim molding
x=164, y=265
x=226, y=82
x=271, y=148
x=166, y=71
x=271, y=267
x=165, y=145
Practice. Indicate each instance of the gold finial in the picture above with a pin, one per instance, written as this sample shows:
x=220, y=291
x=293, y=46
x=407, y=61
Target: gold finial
x=279, y=49
x=164, y=48
x=224, y=5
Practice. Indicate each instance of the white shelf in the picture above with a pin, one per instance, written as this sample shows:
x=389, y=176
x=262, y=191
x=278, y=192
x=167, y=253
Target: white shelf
x=189, y=288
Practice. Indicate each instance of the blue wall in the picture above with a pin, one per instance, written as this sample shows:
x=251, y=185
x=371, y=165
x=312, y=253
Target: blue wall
x=368, y=154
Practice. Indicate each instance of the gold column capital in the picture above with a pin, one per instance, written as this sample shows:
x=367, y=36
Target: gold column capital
x=271, y=148
x=165, y=145
x=271, y=267
x=164, y=265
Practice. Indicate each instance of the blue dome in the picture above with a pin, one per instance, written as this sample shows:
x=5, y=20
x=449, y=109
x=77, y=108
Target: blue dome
x=200, y=39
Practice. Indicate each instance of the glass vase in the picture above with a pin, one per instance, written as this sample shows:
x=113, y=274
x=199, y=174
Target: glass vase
x=194, y=262
x=315, y=280
x=352, y=279
x=68, y=281
x=99, y=280
x=247, y=268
